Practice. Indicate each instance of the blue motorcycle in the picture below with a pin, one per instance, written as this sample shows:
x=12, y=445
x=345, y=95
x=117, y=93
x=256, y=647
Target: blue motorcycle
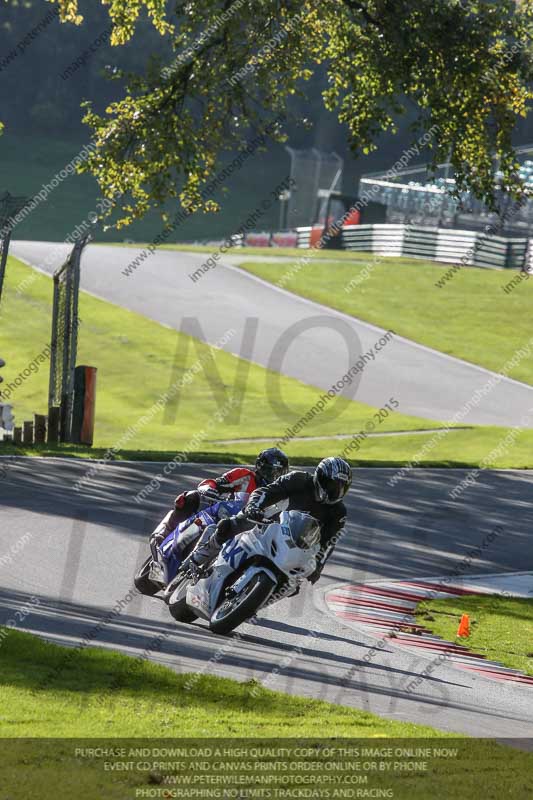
x=166, y=557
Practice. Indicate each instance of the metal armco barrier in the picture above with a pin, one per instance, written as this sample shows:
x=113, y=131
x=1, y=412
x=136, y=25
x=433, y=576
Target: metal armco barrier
x=472, y=248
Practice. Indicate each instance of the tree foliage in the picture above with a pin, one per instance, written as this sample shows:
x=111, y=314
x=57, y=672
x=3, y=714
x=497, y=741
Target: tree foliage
x=465, y=67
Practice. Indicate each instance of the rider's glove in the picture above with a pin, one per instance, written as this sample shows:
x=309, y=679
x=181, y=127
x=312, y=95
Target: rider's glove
x=254, y=513
x=225, y=530
x=208, y=493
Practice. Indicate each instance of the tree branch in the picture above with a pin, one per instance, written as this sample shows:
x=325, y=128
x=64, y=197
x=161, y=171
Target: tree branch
x=354, y=5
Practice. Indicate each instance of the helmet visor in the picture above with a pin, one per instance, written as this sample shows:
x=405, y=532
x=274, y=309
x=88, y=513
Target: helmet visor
x=271, y=472
x=335, y=488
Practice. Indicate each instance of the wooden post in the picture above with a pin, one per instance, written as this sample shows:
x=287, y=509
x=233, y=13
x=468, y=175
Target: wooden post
x=27, y=436
x=53, y=425
x=40, y=429
x=84, y=405
x=17, y=435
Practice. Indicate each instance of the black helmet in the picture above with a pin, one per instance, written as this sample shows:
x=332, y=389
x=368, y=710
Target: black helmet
x=270, y=465
x=333, y=478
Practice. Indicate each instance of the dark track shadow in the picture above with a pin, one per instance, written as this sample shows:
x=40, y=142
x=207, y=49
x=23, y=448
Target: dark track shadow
x=412, y=528
x=322, y=675
x=80, y=626
x=276, y=625
x=307, y=653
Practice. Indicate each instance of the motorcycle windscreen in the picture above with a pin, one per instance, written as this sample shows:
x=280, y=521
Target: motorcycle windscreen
x=303, y=529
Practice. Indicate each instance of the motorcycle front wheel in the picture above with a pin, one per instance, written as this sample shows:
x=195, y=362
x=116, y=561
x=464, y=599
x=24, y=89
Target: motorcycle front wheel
x=177, y=602
x=142, y=581
x=233, y=611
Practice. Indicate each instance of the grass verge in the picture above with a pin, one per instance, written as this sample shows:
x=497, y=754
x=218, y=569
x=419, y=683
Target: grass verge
x=64, y=702
x=501, y=627
x=95, y=692
x=476, y=448
x=468, y=449
x=472, y=318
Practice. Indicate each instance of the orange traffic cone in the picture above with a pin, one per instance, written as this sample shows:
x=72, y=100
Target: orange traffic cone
x=464, y=626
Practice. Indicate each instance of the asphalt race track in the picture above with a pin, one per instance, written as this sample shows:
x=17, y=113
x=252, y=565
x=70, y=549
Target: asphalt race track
x=289, y=334
x=84, y=546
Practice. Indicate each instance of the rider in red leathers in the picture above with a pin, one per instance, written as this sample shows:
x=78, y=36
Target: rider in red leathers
x=270, y=465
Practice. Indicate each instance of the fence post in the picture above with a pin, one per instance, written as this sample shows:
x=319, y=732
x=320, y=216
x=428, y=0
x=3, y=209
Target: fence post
x=527, y=263
x=84, y=405
x=69, y=376
x=64, y=339
x=3, y=259
x=53, y=344
x=40, y=429
x=27, y=436
x=53, y=425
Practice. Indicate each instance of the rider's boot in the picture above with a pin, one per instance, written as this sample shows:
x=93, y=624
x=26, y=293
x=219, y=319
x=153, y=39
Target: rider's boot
x=206, y=550
x=161, y=532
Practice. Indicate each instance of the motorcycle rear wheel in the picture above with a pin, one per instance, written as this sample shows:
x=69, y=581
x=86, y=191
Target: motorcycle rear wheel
x=233, y=611
x=142, y=582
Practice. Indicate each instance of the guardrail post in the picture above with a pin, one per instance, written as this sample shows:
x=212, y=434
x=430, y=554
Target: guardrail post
x=509, y=255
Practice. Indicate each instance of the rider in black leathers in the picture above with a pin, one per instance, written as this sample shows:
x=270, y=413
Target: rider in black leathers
x=320, y=495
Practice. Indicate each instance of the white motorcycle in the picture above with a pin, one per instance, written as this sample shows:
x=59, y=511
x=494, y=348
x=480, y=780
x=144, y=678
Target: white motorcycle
x=255, y=568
